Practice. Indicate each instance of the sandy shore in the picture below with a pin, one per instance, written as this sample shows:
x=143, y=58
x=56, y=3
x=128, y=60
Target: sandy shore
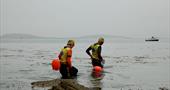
x=61, y=84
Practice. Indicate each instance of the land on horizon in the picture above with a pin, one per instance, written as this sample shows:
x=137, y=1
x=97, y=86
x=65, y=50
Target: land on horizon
x=30, y=36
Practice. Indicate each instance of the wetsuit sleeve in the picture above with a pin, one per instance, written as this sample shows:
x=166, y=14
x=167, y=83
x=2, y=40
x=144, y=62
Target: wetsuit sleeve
x=69, y=62
x=59, y=56
x=88, y=51
x=61, y=53
x=99, y=53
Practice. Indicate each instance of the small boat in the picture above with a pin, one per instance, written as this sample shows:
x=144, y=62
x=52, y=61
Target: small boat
x=152, y=39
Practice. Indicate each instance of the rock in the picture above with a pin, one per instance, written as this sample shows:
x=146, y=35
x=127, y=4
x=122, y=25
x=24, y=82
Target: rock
x=60, y=84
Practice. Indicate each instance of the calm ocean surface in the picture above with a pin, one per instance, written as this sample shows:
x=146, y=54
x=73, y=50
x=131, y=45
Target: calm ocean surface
x=136, y=65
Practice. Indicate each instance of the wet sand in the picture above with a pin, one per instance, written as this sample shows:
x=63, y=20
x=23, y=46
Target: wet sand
x=61, y=84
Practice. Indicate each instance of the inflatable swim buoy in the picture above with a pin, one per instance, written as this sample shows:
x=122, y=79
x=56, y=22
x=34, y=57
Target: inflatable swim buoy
x=97, y=69
x=55, y=64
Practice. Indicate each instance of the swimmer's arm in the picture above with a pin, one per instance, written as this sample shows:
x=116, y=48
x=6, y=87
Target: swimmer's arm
x=99, y=53
x=88, y=51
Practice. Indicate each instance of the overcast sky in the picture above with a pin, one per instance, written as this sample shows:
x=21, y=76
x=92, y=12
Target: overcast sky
x=63, y=18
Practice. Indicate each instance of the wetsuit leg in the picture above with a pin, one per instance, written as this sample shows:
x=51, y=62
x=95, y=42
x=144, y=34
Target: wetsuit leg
x=64, y=71
x=96, y=62
x=73, y=71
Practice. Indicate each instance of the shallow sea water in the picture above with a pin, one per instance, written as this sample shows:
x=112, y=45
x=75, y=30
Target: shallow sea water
x=134, y=66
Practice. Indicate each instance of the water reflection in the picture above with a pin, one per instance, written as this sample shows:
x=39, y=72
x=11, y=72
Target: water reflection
x=96, y=80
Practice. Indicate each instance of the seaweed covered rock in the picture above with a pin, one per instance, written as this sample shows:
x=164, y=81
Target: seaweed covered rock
x=60, y=84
